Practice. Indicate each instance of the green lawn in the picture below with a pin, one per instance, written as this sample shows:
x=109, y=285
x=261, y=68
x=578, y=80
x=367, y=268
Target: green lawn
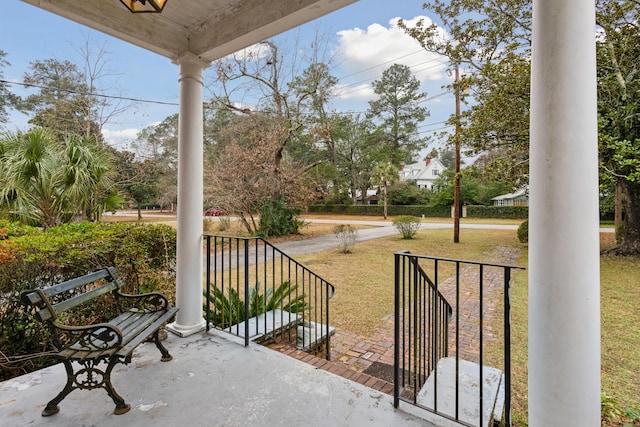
x=367, y=275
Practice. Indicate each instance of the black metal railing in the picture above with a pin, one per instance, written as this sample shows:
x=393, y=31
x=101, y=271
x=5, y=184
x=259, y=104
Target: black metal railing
x=446, y=315
x=256, y=291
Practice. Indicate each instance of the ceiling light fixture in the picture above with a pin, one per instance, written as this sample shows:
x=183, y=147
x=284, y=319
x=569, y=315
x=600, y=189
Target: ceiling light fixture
x=144, y=6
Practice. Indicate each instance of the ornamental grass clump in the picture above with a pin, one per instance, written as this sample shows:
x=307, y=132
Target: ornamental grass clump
x=346, y=236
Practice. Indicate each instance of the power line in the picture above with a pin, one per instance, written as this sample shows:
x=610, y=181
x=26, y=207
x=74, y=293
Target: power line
x=381, y=64
x=100, y=95
x=373, y=78
x=433, y=124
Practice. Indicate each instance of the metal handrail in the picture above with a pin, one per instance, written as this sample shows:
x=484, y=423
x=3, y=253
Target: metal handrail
x=423, y=314
x=254, y=286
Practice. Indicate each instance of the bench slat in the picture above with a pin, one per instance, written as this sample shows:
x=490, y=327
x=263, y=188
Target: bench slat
x=142, y=327
x=132, y=323
x=126, y=350
x=77, y=300
x=80, y=355
x=142, y=322
x=125, y=319
x=34, y=297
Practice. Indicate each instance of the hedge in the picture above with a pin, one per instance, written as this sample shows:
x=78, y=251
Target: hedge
x=520, y=212
x=427, y=211
x=30, y=258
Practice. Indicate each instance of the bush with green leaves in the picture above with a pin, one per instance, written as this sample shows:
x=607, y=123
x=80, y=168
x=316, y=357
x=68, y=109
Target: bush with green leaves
x=227, y=308
x=427, y=211
x=407, y=225
x=523, y=232
x=31, y=258
x=278, y=219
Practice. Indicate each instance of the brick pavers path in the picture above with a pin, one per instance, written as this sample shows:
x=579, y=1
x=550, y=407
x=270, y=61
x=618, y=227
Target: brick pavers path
x=352, y=354
x=493, y=284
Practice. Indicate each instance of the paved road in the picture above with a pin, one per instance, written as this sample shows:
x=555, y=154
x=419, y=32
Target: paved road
x=379, y=229
x=330, y=241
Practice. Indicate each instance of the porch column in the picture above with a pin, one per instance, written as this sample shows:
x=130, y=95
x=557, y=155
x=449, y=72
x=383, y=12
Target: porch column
x=189, y=319
x=564, y=269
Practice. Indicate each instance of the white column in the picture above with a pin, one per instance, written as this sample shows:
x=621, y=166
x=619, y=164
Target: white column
x=564, y=269
x=189, y=319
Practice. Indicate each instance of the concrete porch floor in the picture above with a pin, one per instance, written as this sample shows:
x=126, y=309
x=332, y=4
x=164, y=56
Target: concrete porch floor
x=211, y=381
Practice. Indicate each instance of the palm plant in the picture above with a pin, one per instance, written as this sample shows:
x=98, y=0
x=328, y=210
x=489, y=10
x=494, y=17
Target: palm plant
x=47, y=181
x=385, y=174
x=228, y=308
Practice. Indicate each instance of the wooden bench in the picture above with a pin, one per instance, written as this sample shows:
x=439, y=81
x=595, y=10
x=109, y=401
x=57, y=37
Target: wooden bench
x=139, y=318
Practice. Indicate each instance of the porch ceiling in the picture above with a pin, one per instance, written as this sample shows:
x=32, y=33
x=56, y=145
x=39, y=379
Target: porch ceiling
x=209, y=29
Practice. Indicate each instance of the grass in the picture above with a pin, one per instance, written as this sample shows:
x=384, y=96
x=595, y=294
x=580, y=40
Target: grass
x=620, y=292
x=364, y=294
x=620, y=322
x=364, y=278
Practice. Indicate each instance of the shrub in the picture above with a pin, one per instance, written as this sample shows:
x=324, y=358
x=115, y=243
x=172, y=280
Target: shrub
x=276, y=219
x=474, y=211
x=346, y=235
x=407, y=225
x=143, y=254
x=523, y=232
x=14, y=229
x=426, y=210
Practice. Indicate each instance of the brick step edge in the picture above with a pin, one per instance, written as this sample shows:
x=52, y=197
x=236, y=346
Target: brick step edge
x=335, y=367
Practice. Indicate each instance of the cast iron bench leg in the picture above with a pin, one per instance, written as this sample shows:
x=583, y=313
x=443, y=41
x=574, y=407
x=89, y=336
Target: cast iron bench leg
x=165, y=353
x=89, y=377
x=52, y=407
x=121, y=406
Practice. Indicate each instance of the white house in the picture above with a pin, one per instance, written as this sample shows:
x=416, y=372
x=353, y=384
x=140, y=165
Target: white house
x=424, y=173
x=517, y=198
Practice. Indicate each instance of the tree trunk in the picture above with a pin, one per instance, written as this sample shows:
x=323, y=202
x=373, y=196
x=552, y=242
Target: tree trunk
x=244, y=221
x=630, y=244
x=139, y=212
x=385, y=201
x=618, y=209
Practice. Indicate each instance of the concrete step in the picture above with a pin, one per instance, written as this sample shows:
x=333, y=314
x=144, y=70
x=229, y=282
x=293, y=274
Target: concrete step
x=271, y=322
x=468, y=385
x=311, y=335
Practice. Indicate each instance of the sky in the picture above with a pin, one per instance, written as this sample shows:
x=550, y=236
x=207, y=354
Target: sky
x=363, y=40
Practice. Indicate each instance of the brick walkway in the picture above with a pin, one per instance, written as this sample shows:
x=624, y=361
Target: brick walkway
x=352, y=354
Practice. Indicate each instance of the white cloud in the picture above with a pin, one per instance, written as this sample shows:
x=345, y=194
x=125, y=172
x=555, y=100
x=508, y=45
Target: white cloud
x=366, y=53
x=120, y=139
x=358, y=92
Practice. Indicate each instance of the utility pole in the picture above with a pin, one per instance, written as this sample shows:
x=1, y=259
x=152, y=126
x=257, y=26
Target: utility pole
x=456, y=187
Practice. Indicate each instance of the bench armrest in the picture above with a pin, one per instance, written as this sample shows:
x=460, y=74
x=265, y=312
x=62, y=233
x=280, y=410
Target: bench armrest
x=100, y=336
x=153, y=301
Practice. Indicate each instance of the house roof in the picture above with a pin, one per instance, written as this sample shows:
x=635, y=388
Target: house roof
x=509, y=196
x=420, y=171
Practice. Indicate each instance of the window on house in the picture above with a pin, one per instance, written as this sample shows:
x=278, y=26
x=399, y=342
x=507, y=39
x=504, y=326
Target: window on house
x=435, y=172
